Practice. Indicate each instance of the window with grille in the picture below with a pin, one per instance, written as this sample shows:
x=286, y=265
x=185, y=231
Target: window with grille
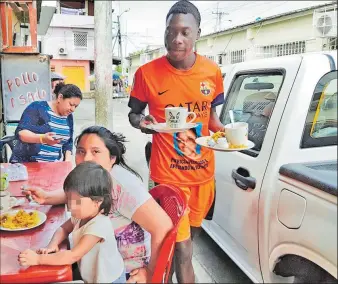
x=290, y=48
x=80, y=40
x=237, y=56
x=211, y=57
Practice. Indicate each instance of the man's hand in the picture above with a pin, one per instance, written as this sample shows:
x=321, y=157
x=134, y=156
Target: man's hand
x=140, y=275
x=145, y=121
x=28, y=257
x=214, y=123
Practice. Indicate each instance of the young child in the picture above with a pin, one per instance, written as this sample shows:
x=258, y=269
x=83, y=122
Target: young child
x=88, y=190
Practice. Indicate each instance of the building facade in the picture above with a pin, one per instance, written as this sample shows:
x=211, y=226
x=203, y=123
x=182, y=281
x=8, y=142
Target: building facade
x=306, y=30
x=138, y=59
x=290, y=33
x=70, y=40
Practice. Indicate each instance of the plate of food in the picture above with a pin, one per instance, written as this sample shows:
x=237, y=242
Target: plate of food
x=21, y=220
x=219, y=142
x=163, y=128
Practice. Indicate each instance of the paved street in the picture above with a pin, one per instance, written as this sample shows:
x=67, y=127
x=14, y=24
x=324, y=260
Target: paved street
x=211, y=264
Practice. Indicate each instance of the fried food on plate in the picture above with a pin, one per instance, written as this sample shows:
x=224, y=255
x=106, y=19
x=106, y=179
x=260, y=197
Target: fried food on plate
x=20, y=220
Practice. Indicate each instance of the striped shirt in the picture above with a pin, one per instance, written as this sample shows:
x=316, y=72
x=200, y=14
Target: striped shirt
x=59, y=125
x=39, y=118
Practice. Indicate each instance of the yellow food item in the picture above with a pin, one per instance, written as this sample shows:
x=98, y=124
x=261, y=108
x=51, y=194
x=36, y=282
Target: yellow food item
x=20, y=220
x=217, y=135
x=232, y=146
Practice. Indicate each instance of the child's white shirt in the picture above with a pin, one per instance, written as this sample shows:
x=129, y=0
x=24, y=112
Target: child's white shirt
x=103, y=263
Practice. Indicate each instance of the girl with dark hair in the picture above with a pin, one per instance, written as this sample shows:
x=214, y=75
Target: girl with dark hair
x=45, y=130
x=140, y=224
x=88, y=193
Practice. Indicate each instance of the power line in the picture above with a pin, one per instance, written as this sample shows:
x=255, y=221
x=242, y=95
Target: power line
x=128, y=38
x=219, y=16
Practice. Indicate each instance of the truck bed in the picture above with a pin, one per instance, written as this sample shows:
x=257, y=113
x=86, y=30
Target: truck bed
x=322, y=175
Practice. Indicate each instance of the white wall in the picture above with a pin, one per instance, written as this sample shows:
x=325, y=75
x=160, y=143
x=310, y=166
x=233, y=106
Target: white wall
x=62, y=20
x=278, y=31
x=219, y=44
x=60, y=34
x=134, y=64
x=136, y=61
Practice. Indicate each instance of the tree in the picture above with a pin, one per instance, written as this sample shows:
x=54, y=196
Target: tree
x=118, y=68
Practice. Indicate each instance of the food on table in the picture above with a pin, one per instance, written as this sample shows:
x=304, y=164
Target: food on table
x=20, y=220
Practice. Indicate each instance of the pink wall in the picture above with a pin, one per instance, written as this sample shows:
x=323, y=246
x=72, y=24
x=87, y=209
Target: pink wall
x=59, y=64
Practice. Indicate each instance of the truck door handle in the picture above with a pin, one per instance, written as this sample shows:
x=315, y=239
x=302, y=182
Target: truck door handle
x=243, y=179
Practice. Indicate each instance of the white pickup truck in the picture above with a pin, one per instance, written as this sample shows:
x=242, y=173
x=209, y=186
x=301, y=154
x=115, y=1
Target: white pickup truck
x=275, y=213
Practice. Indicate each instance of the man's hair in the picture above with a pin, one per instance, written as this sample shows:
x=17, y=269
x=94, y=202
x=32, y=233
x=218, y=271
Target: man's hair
x=185, y=7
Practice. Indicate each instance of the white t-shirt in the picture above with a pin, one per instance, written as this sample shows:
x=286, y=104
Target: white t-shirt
x=103, y=263
x=129, y=193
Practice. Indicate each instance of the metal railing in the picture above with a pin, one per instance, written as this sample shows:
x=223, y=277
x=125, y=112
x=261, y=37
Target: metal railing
x=268, y=51
x=229, y=57
x=282, y=49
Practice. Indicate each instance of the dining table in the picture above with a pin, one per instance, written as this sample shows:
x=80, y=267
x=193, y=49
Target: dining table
x=49, y=177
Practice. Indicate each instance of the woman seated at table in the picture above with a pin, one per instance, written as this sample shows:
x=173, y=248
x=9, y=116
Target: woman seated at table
x=135, y=214
x=45, y=130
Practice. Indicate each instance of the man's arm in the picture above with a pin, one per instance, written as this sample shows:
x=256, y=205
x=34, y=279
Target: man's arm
x=137, y=118
x=136, y=113
x=214, y=123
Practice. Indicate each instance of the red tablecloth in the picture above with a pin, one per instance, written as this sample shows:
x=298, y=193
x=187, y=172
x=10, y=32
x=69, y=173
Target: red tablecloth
x=49, y=176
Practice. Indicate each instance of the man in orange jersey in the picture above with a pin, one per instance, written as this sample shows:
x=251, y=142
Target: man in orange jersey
x=181, y=78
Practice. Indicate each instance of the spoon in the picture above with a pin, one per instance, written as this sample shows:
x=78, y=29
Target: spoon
x=29, y=197
x=231, y=114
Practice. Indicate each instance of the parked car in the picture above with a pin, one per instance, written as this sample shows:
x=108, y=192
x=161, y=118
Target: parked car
x=282, y=228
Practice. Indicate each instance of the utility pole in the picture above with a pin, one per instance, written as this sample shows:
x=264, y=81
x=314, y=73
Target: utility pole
x=119, y=37
x=103, y=57
x=219, y=15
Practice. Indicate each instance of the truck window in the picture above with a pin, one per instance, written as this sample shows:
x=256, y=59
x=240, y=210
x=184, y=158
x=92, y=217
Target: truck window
x=252, y=98
x=321, y=122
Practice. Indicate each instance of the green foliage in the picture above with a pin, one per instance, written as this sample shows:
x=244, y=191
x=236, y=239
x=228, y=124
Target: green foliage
x=136, y=52
x=118, y=68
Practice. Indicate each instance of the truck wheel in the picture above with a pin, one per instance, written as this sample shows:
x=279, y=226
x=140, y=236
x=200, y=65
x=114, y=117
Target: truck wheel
x=303, y=270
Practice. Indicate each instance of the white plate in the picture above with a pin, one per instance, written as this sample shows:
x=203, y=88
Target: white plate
x=42, y=217
x=163, y=128
x=203, y=142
